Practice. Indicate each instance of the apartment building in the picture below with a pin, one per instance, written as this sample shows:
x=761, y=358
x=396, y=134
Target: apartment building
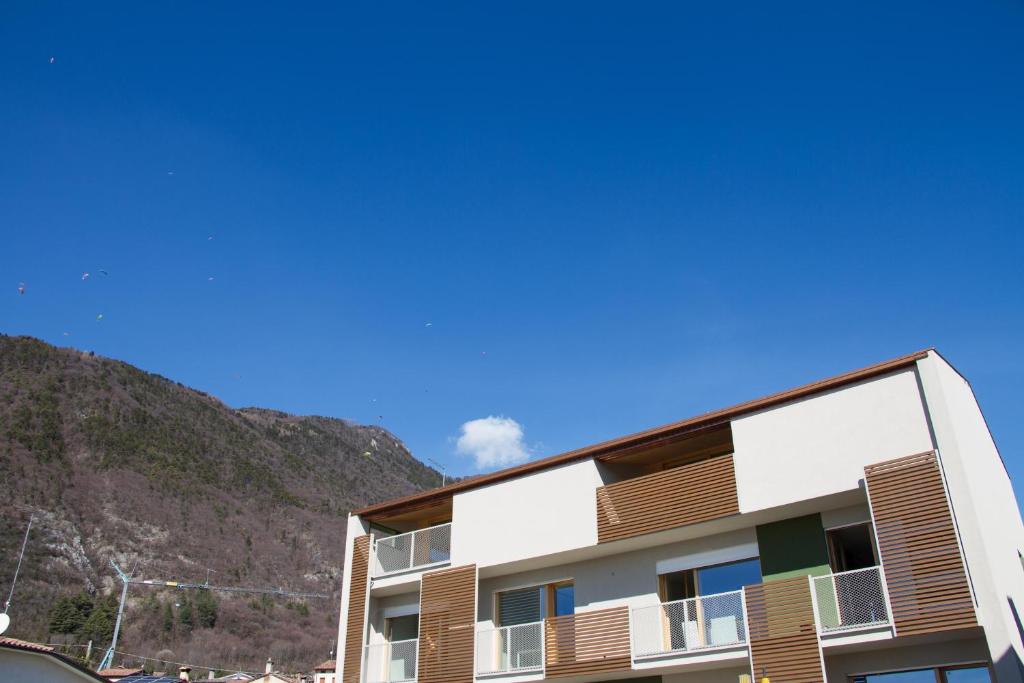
x=860, y=529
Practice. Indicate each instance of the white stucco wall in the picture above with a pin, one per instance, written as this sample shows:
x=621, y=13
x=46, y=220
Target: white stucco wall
x=820, y=445
x=354, y=528
x=625, y=579
x=987, y=515
x=539, y=514
x=28, y=667
x=729, y=675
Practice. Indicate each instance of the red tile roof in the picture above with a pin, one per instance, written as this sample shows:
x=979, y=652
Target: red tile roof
x=24, y=645
x=119, y=671
x=328, y=665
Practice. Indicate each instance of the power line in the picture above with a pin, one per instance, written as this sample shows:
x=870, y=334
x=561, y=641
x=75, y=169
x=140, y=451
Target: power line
x=127, y=579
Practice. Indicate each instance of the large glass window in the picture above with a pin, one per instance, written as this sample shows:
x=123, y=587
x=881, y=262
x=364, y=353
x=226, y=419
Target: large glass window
x=728, y=577
x=954, y=674
x=974, y=674
x=563, y=599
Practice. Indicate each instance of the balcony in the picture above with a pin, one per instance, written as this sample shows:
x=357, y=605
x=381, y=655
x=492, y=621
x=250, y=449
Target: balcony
x=587, y=643
x=694, y=624
x=687, y=494
x=420, y=549
x=391, y=662
x=510, y=649
x=851, y=600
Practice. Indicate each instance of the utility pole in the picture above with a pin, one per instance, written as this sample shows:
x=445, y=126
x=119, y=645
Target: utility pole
x=108, y=658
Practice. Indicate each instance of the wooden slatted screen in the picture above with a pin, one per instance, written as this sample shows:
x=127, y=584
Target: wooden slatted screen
x=783, y=636
x=688, y=494
x=917, y=542
x=587, y=643
x=356, y=610
x=447, y=625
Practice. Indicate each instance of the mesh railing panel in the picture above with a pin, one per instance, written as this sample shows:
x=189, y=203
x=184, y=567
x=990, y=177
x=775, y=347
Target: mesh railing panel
x=694, y=624
x=849, y=600
x=391, y=662
x=510, y=648
x=414, y=549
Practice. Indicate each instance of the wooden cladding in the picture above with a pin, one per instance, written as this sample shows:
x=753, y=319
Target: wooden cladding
x=447, y=625
x=353, y=658
x=918, y=545
x=783, y=636
x=587, y=643
x=687, y=494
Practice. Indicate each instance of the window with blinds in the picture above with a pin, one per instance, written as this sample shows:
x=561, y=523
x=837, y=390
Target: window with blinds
x=521, y=606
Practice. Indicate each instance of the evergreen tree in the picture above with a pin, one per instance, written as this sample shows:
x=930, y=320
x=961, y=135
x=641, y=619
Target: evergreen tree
x=70, y=613
x=186, y=617
x=99, y=627
x=206, y=609
x=168, y=618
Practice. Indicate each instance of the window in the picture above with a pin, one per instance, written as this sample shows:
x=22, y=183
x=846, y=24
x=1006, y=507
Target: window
x=526, y=605
x=852, y=547
x=720, y=578
x=402, y=628
x=974, y=673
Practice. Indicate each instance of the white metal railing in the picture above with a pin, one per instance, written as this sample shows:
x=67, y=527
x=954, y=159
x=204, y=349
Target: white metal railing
x=850, y=600
x=391, y=662
x=421, y=548
x=510, y=649
x=697, y=623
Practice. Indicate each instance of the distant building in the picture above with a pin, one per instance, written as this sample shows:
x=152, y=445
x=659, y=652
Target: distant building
x=325, y=672
x=237, y=677
x=116, y=673
x=270, y=676
x=24, y=662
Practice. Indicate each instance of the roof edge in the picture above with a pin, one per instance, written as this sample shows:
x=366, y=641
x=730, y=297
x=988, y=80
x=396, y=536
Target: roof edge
x=656, y=433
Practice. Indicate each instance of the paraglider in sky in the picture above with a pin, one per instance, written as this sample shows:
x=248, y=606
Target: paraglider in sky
x=99, y=317
x=52, y=60
x=85, y=276
x=103, y=272
x=21, y=288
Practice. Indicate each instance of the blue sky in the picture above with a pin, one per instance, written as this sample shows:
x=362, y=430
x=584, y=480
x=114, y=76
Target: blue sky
x=613, y=215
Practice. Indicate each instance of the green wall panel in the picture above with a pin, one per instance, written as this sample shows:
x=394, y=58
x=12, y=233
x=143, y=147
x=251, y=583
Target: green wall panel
x=793, y=547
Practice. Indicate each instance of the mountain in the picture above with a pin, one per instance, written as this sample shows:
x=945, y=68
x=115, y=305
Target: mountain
x=117, y=463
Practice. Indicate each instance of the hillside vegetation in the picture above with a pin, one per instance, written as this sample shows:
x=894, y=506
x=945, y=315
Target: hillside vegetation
x=117, y=463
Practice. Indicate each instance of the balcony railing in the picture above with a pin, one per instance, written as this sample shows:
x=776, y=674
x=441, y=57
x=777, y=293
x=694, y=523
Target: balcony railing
x=391, y=662
x=850, y=600
x=422, y=548
x=510, y=649
x=697, y=623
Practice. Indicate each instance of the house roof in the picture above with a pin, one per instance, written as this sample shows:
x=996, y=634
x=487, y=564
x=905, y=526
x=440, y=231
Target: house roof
x=328, y=665
x=647, y=438
x=36, y=648
x=120, y=671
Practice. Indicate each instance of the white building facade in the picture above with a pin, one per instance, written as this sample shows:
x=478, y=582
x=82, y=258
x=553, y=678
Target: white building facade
x=859, y=529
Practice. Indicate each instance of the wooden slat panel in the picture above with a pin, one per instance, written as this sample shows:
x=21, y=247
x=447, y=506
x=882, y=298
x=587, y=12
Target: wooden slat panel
x=447, y=622
x=917, y=540
x=783, y=636
x=683, y=495
x=356, y=610
x=587, y=643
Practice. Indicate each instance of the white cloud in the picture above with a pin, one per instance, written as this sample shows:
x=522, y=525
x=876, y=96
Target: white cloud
x=493, y=442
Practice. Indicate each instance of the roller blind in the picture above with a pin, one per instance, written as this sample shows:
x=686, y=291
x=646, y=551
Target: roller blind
x=519, y=606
